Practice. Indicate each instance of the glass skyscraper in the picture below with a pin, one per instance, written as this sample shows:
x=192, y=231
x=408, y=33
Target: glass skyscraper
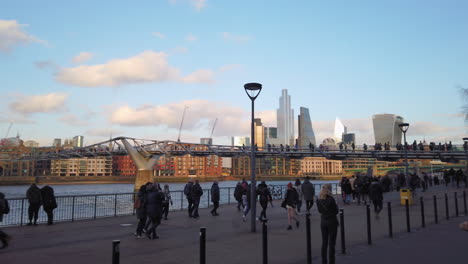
x=386, y=128
x=306, y=133
x=285, y=119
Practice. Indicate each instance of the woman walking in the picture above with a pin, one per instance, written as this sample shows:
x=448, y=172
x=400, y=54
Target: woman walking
x=167, y=200
x=298, y=187
x=328, y=209
x=290, y=201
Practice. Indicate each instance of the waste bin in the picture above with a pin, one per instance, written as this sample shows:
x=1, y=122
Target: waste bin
x=405, y=194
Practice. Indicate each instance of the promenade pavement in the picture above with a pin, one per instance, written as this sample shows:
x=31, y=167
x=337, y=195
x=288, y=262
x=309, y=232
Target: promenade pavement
x=229, y=239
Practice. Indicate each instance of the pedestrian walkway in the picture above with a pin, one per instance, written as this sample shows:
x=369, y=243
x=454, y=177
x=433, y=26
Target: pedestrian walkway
x=228, y=238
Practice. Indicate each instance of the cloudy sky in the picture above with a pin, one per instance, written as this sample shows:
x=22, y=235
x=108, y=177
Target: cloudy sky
x=102, y=68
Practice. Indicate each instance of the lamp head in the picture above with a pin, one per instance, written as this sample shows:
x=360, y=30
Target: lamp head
x=403, y=127
x=465, y=139
x=252, y=90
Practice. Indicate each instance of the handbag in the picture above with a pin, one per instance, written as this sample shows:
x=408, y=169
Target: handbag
x=283, y=204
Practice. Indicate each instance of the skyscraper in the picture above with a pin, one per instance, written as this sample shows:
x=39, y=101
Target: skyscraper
x=285, y=119
x=271, y=135
x=306, y=133
x=386, y=128
x=340, y=129
x=78, y=141
x=239, y=141
x=259, y=133
x=57, y=142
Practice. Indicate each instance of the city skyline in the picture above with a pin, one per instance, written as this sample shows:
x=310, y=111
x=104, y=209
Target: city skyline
x=130, y=70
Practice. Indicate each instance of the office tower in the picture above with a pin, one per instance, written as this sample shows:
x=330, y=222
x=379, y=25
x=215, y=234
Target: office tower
x=339, y=130
x=386, y=128
x=306, y=133
x=57, y=142
x=271, y=135
x=78, y=141
x=285, y=119
x=206, y=141
x=239, y=141
x=259, y=133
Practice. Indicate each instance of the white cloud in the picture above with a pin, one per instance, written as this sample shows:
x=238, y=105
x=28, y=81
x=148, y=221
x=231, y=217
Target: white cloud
x=82, y=57
x=240, y=39
x=190, y=37
x=200, y=76
x=159, y=35
x=231, y=120
x=148, y=66
x=230, y=67
x=47, y=103
x=12, y=34
x=73, y=120
x=198, y=4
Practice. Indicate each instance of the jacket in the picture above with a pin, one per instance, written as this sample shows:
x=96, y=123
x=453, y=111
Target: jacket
x=154, y=204
x=48, y=198
x=291, y=198
x=4, y=207
x=376, y=192
x=34, y=195
x=308, y=190
x=327, y=208
x=299, y=192
x=238, y=192
x=264, y=193
x=215, y=192
x=196, y=192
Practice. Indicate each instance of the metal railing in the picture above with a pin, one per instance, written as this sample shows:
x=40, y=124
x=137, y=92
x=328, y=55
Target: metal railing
x=82, y=207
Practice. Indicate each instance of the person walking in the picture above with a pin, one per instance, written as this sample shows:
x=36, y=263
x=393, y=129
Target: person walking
x=35, y=200
x=328, y=210
x=49, y=203
x=155, y=199
x=347, y=190
x=196, y=193
x=215, y=197
x=167, y=201
x=308, y=190
x=238, y=195
x=141, y=211
x=265, y=196
x=290, y=202
x=188, y=193
x=376, y=195
x=246, y=201
x=353, y=191
x=4, y=209
x=298, y=187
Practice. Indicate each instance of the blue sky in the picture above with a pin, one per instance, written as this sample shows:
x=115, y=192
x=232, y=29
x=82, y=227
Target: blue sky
x=97, y=68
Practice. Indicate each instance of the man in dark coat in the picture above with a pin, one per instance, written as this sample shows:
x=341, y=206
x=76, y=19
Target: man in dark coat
x=141, y=210
x=196, y=193
x=265, y=196
x=308, y=190
x=215, y=198
x=154, y=210
x=238, y=195
x=49, y=203
x=188, y=194
x=4, y=209
x=376, y=195
x=35, y=200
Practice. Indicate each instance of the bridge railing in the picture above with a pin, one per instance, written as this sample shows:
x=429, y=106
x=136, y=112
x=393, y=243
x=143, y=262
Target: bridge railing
x=82, y=207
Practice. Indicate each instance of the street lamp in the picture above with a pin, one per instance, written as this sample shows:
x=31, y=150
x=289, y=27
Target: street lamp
x=465, y=141
x=404, y=127
x=252, y=90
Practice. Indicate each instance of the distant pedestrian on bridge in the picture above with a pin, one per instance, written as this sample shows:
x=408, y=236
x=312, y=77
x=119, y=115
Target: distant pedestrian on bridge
x=4, y=209
x=308, y=190
x=35, y=200
x=49, y=203
x=188, y=193
x=196, y=194
x=328, y=209
x=215, y=198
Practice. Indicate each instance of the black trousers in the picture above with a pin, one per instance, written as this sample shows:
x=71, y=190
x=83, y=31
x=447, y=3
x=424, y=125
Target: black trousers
x=299, y=205
x=4, y=237
x=309, y=204
x=377, y=206
x=329, y=231
x=33, y=212
x=190, y=206
x=239, y=204
x=154, y=223
x=165, y=209
x=215, y=207
x=50, y=215
x=141, y=225
x=196, y=203
x=264, y=205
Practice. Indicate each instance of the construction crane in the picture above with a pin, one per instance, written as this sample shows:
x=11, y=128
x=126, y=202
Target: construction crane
x=212, y=130
x=181, y=123
x=8, y=130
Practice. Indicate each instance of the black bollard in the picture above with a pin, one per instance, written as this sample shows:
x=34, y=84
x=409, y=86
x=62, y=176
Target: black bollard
x=446, y=207
x=408, y=226
x=308, y=238
x=464, y=202
x=423, y=220
x=390, y=224
x=265, y=241
x=115, y=252
x=435, y=210
x=342, y=229
x=369, y=235
x=202, y=245
x=456, y=204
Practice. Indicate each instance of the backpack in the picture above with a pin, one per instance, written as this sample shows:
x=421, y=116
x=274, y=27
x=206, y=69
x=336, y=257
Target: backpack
x=6, y=208
x=187, y=189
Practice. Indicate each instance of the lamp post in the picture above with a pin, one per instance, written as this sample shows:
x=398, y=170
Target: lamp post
x=252, y=90
x=465, y=139
x=404, y=127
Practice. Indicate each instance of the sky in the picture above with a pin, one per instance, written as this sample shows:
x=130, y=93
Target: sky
x=129, y=68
